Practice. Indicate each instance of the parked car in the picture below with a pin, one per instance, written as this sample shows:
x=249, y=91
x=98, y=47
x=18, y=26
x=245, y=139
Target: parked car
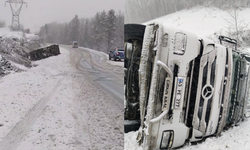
x=179, y=87
x=116, y=54
x=75, y=44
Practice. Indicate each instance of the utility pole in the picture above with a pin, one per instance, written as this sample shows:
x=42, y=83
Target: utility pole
x=16, y=12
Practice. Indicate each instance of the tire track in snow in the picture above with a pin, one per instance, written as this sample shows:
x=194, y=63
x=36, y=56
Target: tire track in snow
x=12, y=139
x=103, y=110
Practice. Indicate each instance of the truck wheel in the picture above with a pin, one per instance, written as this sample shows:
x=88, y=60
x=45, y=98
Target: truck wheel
x=133, y=32
x=131, y=125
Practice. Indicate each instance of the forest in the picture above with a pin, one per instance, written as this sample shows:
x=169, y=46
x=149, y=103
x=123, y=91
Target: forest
x=102, y=32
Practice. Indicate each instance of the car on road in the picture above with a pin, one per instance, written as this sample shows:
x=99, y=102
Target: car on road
x=75, y=44
x=116, y=54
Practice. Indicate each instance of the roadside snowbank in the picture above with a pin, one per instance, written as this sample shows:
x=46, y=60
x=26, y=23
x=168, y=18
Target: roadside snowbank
x=237, y=137
x=20, y=92
x=115, y=63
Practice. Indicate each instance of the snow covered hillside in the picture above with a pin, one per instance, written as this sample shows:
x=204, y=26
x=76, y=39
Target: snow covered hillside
x=207, y=23
x=14, y=46
x=6, y=32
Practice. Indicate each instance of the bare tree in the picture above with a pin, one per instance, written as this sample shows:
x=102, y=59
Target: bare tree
x=236, y=25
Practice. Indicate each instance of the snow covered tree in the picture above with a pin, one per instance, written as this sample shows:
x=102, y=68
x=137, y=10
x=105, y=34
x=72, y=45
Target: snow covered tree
x=96, y=28
x=237, y=27
x=110, y=29
x=74, y=28
x=119, y=33
x=102, y=32
x=66, y=38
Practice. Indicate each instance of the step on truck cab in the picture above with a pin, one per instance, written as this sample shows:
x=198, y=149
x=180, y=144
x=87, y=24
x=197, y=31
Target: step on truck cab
x=181, y=85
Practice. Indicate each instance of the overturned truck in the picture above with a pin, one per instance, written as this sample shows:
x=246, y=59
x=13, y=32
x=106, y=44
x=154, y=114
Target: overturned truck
x=180, y=88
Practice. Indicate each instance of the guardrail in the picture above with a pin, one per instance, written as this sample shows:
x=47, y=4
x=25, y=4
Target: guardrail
x=46, y=52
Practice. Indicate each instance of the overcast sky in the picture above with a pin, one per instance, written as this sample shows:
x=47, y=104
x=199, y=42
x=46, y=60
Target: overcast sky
x=40, y=12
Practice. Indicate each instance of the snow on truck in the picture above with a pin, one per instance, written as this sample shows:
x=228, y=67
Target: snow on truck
x=179, y=87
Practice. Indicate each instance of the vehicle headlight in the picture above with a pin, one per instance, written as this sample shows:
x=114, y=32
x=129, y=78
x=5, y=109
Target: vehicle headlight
x=180, y=43
x=167, y=139
x=165, y=40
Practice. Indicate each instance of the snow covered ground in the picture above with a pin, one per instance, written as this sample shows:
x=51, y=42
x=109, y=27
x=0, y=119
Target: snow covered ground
x=53, y=106
x=205, y=22
x=209, y=23
x=6, y=32
x=115, y=63
x=14, y=46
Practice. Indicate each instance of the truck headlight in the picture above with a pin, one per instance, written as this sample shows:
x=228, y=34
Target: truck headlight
x=167, y=139
x=165, y=40
x=180, y=43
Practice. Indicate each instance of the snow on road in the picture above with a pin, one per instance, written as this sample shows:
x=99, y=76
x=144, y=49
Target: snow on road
x=54, y=107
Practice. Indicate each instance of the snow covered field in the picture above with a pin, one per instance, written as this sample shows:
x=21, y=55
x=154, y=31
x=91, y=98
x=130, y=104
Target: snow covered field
x=53, y=106
x=209, y=23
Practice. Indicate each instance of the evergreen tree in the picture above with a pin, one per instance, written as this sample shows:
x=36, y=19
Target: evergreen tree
x=74, y=28
x=119, y=40
x=110, y=29
x=66, y=38
x=96, y=28
x=103, y=32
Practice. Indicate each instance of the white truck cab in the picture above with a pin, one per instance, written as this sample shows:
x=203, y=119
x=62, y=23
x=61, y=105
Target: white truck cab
x=184, y=86
x=187, y=87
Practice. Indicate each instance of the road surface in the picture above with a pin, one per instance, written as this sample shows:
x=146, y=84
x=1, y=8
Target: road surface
x=109, y=77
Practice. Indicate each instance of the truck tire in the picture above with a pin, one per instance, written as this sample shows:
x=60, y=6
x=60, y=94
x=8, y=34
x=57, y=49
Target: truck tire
x=133, y=32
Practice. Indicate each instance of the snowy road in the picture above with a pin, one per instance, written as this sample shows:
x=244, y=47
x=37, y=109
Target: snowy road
x=108, y=77
x=63, y=103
